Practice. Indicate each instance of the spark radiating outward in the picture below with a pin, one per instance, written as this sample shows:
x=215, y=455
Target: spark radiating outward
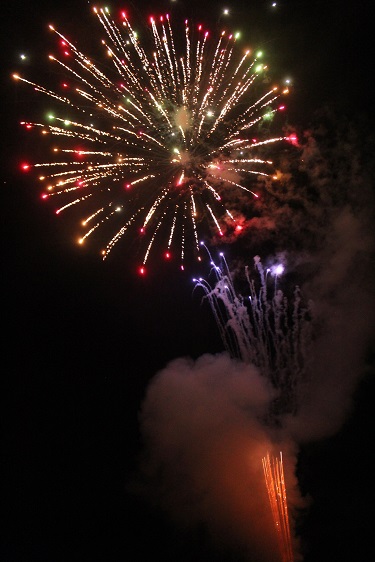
x=159, y=137
x=263, y=329
x=275, y=483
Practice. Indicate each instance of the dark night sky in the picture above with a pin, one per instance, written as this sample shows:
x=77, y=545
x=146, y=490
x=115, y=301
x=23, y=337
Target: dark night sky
x=82, y=338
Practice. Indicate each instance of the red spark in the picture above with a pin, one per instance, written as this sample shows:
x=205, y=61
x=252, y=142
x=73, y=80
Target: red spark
x=293, y=139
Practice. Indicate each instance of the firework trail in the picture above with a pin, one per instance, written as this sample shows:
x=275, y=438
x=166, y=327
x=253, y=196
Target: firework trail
x=263, y=330
x=159, y=137
x=275, y=482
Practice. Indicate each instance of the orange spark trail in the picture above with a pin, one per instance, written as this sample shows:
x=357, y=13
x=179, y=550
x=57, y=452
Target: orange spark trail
x=275, y=483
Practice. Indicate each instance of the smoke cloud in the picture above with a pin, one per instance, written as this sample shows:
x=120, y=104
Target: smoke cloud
x=344, y=304
x=205, y=437
x=203, y=421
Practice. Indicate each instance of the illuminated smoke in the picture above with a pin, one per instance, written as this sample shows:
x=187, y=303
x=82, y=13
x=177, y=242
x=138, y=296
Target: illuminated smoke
x=204, y=440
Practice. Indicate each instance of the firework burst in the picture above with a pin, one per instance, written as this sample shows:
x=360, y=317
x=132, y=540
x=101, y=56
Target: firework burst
x=159, y=139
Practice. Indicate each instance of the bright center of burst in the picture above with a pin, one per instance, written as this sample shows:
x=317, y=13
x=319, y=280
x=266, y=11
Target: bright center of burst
x=191, y=167
x=186, y=159
x=190, y=160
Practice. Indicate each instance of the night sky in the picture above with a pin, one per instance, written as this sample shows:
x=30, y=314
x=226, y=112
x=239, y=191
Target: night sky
x=83, y=339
